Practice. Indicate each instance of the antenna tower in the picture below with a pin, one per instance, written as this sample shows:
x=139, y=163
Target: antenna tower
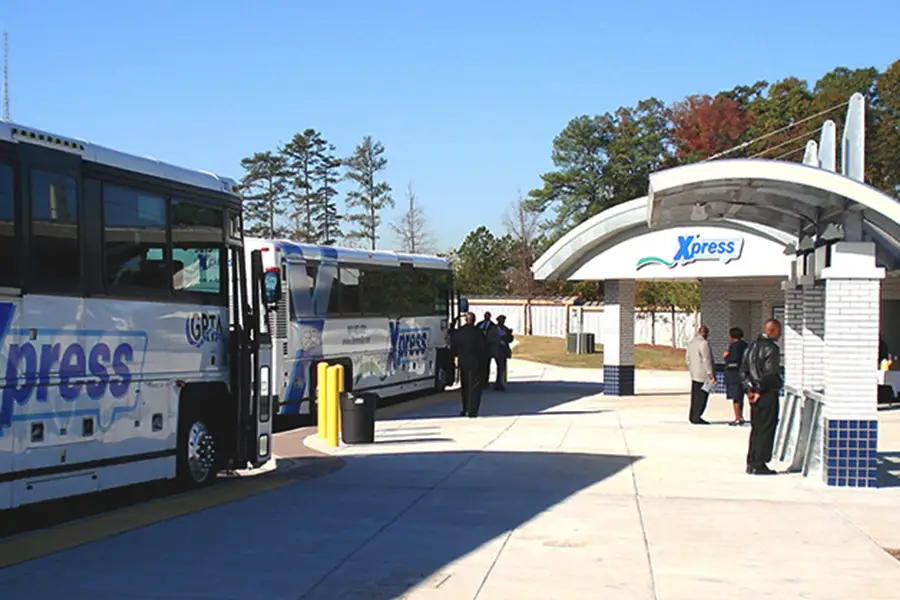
x=5, y=75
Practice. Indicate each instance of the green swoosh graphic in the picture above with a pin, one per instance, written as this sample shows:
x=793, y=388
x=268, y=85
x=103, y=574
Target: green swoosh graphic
x=647, y=260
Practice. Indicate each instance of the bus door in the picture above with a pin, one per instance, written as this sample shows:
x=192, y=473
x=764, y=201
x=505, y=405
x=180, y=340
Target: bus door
x=266, y=291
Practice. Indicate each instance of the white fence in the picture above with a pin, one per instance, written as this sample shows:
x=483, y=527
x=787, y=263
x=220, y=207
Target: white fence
x=550, y=319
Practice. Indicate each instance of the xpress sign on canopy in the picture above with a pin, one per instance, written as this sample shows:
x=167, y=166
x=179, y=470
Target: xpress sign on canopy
x=691, y=248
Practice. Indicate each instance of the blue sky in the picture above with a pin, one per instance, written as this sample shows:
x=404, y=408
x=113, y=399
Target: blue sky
x=466, y=96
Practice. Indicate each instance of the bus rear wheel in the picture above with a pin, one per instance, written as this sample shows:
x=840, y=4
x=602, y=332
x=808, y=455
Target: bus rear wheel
x=197, y=453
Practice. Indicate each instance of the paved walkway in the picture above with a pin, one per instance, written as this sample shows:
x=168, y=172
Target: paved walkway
x=556, y=492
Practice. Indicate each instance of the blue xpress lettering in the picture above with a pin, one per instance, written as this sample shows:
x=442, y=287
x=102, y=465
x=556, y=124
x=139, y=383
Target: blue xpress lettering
x=93, y=370
x=407, y=344
x=692, y=248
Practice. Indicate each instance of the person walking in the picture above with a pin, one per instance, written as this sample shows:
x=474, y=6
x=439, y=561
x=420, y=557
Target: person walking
x=734, y=391
x=703, y=374
x=499, y=338
x=761, y=379
x=470, y=346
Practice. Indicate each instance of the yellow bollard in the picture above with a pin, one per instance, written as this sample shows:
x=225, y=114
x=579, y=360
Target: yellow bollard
x=337, y=396
x=331, y=430
x=321, y=394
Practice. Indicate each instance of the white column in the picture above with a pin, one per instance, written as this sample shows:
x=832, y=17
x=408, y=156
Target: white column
x=852, y=307
x=618, y=338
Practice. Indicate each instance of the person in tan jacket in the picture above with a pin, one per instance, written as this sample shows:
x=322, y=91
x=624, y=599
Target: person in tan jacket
x=703, y=374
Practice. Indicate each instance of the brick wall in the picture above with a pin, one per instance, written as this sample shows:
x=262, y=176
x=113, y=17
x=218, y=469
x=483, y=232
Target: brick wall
x=814, y=336
x=851, y=348
x=793, y=337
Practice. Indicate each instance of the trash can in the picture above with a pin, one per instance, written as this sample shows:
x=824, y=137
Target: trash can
x=358, y=417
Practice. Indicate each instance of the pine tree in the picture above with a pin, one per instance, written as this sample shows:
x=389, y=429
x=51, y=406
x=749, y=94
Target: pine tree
x=301, y=158
x=371, y=196
x=264, y=190
x=326, y=220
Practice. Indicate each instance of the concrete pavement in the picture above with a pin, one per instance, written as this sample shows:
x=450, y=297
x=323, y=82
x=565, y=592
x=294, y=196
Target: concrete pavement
x=554, y=492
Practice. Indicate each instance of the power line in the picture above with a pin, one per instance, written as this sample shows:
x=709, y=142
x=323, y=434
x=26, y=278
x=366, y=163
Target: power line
x=786, y=142
x=777, y=131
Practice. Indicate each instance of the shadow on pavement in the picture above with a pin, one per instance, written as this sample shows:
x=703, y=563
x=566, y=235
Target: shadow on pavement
x=520, y=398
x=376, y=528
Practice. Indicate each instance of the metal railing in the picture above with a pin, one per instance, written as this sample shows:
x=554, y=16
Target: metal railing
x=798, y=438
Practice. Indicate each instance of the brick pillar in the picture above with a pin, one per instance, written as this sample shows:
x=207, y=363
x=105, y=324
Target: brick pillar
x=618, y=338
x=715, y=313
x=793, y=335
x=814, y=335
x=852, y=307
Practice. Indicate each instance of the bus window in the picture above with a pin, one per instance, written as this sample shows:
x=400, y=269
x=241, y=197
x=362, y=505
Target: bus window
x=134, y=231
x=8, y=268
x=198, y=234
x=55, y=253
x=351, y=304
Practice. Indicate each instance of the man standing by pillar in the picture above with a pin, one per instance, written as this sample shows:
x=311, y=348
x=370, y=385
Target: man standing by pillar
x=470, y=345
x=761, y=378
x=703, y=374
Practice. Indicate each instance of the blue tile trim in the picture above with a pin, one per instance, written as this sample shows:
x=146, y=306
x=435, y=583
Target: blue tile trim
x=720, y=378
x=618, y=380
x=851, y=452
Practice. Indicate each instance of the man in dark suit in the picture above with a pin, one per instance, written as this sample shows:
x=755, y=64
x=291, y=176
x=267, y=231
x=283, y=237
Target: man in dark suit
x=470, y=346
x=761, y=377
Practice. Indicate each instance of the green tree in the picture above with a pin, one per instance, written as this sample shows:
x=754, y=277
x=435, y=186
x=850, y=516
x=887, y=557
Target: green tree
x=602, y=161
x=479, y=264
x=302, y=156
x=576, y=189
x=326, y=218
x=264, y=189
x=884, y=159
x=370, y=196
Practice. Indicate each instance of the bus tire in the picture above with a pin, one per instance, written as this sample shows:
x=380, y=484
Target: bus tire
x=442, y=376
x=197, y=460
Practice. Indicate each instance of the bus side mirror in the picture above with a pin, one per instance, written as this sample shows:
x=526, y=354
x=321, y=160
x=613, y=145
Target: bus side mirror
x=272, y=284
x=463, y=305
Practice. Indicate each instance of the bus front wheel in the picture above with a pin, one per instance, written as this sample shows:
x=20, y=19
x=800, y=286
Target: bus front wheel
x=196, y=457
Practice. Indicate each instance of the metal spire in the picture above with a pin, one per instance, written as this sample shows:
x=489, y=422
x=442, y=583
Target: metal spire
x=5, y=75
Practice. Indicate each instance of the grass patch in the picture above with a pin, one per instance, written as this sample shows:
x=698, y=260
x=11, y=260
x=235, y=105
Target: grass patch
x=552, y=351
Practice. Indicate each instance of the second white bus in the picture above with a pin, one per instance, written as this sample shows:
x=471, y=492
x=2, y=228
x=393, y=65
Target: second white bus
x=384, y=315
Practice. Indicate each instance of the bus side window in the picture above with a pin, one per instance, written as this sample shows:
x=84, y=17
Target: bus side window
x=134, y=239
x=55, y=251
x=197, y=249
x=9, y=271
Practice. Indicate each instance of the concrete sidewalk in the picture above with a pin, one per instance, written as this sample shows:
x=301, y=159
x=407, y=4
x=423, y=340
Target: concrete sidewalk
x=555, y=492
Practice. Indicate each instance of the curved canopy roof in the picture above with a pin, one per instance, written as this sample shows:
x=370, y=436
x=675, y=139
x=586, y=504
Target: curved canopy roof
x=628, y=219
x=794, y=198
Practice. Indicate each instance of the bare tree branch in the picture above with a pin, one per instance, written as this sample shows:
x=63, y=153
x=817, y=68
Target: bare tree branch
x=411, y=228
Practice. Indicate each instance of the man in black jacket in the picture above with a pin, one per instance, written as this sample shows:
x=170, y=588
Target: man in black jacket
x=761, y=378
x=470, y=346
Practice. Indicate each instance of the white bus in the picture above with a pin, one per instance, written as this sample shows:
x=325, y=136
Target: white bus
x=133, y=337
x=384, y=315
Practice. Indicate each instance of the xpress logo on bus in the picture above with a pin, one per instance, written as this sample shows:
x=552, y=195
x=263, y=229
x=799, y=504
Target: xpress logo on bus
x=62, y=371
x=692, y=248
x=407, y=344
